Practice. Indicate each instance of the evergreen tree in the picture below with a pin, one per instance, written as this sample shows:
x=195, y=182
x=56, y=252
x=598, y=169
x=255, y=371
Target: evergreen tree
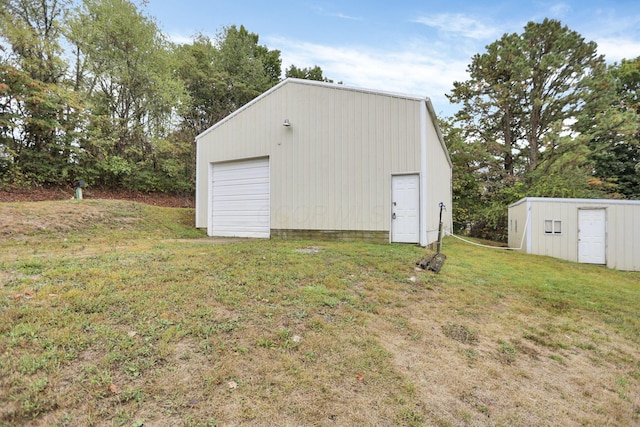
x=518, y=106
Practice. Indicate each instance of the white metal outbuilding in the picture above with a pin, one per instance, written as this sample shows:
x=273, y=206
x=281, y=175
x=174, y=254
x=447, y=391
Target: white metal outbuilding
x=591, y=231
x=320, y=160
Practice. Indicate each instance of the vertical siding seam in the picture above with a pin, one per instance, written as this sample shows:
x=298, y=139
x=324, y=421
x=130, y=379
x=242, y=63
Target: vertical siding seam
x=528, y=227
x=423, y=173
x=198, y=203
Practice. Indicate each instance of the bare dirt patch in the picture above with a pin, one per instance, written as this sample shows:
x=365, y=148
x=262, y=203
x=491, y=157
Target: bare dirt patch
x=39, y=217
x=38, y=194
x=21, y=215
x=30, y=218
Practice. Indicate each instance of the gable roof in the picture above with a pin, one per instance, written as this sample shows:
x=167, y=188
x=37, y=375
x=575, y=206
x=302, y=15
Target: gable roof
x=310, y=83
x=290, y=80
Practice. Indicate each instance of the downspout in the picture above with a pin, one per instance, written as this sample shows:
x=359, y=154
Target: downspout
x=423, y=173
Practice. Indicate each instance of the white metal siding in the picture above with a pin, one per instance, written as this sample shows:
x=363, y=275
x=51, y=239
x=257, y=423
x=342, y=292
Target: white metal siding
x=622, y=229
x=556, y=245
x=623, y=235
x=331, y=169
x=517, y=223
x=240, y=199
x=437, y=184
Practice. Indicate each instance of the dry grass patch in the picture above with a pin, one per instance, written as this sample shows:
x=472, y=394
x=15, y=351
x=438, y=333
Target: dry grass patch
x=132, y=323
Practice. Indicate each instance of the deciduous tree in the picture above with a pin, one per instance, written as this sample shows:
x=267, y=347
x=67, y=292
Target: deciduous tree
x=128, y=75
x=312, y=73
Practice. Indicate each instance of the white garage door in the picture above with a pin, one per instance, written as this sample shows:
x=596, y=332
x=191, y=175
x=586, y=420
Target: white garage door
x=240, y=199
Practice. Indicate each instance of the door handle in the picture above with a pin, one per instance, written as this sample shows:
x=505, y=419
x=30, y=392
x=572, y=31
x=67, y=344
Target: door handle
x=393, y=216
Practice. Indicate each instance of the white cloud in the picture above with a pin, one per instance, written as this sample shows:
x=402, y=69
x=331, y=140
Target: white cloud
x=617, y=36
x=343, y=16
x=615, y=49
x=322, y=11
x=179, y=38
x=559, y=10
x=459, y=24
x=415, y=70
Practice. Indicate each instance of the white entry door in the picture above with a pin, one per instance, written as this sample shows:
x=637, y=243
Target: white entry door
x=592, y=232
x=240, y=199
x=405, y=208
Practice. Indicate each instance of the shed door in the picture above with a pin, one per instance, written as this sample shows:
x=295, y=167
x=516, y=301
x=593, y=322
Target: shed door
x=240, y=199
x=592, y=246
x=405, y=209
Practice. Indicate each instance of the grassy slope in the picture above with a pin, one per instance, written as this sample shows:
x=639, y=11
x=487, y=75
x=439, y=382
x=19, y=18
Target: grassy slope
x=110, y=316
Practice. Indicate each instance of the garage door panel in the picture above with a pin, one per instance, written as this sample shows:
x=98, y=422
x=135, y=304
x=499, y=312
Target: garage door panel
x=242, y=211
x=249, y=198
x=244, y=176
x=246, y=212
x=241, y=221
x=241, y=164
x=259, y=190
x=257, y=186
x=241, y=199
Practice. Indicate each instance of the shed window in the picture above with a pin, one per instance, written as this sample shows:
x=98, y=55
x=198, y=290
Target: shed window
x=552, y=226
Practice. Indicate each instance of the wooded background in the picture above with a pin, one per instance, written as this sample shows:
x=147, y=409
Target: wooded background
x=93, y=90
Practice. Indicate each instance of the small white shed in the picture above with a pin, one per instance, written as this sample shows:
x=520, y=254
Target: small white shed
x=591, y=231
x=309, y=159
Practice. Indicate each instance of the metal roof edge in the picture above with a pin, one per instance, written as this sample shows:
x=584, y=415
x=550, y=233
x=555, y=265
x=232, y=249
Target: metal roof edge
x=332, y=86
x=570, y=200
x=524, y=199
x=341, y=86
x=434, y=118
x=241, y=109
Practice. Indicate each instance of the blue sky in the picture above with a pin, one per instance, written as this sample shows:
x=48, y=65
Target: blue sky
x=413, y=47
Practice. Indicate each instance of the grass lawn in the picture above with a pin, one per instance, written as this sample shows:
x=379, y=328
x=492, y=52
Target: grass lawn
x=118, y=313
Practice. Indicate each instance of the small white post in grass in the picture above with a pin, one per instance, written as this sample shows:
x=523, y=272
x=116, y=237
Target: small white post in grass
x=78, y=186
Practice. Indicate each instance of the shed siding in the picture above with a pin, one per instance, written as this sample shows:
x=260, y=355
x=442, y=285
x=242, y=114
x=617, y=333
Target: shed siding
x=331, y=168
x=560, y=246
x=517, y=223
x=622, y=228
x=438, y=183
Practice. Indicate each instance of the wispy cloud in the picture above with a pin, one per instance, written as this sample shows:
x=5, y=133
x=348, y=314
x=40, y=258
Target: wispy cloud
x=615, y=49
x=412, y=70
x=343, y=16
x=322, y=11
x=617, y=36
x=179, y=38
x=559, y=10
x=458, y=24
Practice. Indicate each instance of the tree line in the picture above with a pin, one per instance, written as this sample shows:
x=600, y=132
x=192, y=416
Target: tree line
x=93, y=90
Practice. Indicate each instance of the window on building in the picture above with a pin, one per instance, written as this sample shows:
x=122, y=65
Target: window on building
x=552, y=226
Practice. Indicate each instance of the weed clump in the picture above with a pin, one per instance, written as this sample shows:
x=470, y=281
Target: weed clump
x=460, y=333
